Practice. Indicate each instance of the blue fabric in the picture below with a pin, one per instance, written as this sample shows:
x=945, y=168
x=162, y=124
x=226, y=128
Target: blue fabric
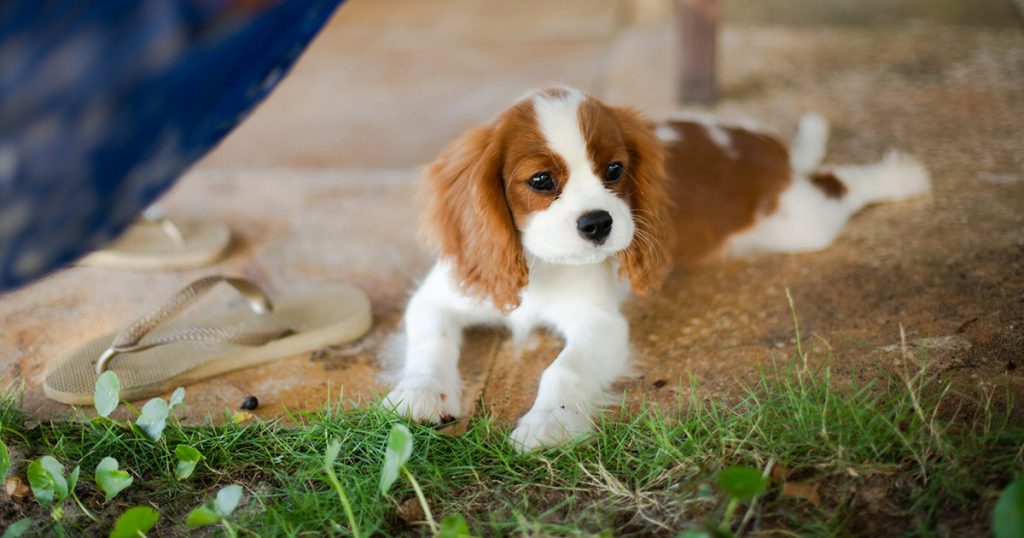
x=103, y=104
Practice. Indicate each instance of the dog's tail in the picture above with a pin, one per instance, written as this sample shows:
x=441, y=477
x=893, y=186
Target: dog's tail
x=896, y=177
x=808, y=149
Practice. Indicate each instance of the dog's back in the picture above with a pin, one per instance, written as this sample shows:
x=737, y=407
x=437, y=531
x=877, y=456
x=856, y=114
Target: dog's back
x=737, y=189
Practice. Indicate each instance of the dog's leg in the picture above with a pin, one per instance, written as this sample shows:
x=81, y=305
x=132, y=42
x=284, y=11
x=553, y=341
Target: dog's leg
x=807, y=218
x=895, y=178
x=812, y=211
x=572, y=388
x=429, y=387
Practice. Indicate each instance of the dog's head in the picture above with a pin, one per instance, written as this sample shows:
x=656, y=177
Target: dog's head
x=558, y=176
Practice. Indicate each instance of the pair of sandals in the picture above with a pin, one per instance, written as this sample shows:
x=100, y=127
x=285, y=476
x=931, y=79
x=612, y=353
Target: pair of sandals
x=159, y=352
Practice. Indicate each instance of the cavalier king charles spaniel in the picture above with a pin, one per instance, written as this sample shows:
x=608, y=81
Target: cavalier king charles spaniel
x=552, y=213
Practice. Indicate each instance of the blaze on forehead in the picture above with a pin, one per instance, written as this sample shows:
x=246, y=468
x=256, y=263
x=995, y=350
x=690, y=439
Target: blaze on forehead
x=597, y=125
x=590, y=123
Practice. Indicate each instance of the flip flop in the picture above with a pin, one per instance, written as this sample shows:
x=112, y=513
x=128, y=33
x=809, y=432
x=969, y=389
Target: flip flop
x=154, y=355
x=157, y=244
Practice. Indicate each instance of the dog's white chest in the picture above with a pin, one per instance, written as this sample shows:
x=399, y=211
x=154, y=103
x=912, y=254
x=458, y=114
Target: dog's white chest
x=557, y=294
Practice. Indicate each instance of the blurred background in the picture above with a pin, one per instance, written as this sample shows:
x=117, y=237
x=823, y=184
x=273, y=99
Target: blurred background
x=388, y=83
x=316, y=185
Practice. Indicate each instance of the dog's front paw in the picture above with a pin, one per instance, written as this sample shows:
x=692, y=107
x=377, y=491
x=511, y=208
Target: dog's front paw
x=548, y=427
x=425, y=399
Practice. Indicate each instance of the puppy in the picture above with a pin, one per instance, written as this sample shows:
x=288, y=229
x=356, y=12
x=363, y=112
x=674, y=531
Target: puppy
x=554, y=211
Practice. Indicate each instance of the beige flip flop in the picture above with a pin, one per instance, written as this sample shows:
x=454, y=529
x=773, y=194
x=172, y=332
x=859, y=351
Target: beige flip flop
x=154, y=355
x=158, y=244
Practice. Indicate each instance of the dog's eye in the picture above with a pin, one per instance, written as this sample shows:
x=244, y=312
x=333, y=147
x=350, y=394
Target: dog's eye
x=542, y=182
x=613, y=172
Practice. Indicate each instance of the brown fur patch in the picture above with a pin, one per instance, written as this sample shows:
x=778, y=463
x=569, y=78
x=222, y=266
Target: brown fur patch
x=606, y=143
x=623, y=135
x=469, y=221
x=717, y=194
x=603, y=134
x=525, y=155
x=829, y=184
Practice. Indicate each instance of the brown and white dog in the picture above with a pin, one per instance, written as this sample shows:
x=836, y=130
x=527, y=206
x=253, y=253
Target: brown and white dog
x=551, y=213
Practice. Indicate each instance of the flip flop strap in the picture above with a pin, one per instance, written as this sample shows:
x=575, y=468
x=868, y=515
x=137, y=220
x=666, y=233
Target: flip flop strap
x=154, y=216
x=171, y=230
x=129, y=339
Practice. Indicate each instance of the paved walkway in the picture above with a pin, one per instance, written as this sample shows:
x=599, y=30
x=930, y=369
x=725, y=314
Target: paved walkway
x=307, y=182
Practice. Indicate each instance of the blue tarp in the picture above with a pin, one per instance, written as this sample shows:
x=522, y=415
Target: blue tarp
x=103, y=105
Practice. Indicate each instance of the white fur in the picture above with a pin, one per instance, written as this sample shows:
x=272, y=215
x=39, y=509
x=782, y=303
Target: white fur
x=667, y=134
x=805, y=220
x=580, y=302
x=715, y=128
x=808, y=220
x=748, y=124
x=895, y=178
x=722, y=139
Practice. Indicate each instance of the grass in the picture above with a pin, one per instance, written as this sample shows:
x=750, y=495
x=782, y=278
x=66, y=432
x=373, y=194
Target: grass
x=892, y=457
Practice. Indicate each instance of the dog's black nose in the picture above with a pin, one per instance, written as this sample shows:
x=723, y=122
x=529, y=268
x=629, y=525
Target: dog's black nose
x=595, y=226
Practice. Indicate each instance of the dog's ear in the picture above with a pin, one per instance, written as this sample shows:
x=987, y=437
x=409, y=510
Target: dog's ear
x=646, y=261
x=469, y=221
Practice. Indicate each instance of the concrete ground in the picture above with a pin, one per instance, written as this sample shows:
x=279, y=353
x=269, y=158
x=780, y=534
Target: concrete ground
x=317, y=187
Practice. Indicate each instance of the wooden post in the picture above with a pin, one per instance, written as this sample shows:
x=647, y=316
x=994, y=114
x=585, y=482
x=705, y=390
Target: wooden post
x=697, y=26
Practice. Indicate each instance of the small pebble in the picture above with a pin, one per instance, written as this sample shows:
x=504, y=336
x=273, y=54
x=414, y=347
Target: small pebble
x=411, y=511
x=17, y=489
x=250, y=403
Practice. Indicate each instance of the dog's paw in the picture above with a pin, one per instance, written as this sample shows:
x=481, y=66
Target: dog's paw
x=425, y=399
x=905, y=177
x=549, y=427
